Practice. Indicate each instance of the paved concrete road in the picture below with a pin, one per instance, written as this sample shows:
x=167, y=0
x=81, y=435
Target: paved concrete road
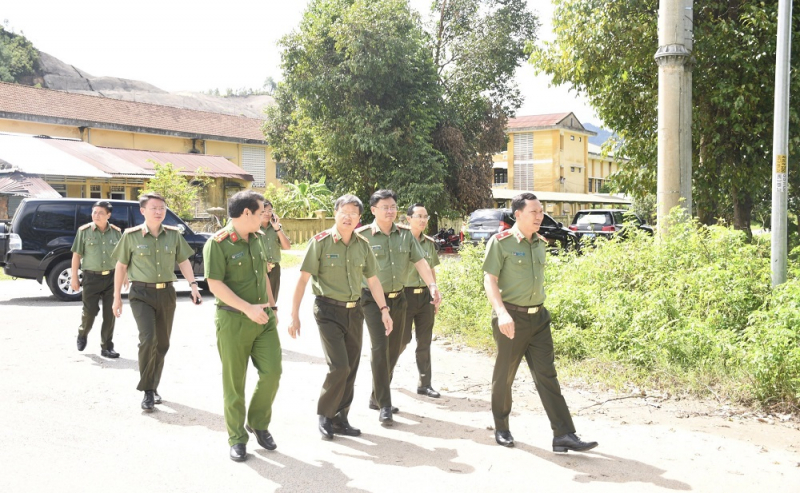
x=71, y=422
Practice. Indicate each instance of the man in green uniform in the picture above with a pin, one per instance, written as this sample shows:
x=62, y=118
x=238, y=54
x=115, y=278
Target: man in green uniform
x=146, y=254
x=395, y=250
x=236, y=271
x=275, y=239
x=514, y=282
x=91, y=253
x=420, y=312
x=337, y=260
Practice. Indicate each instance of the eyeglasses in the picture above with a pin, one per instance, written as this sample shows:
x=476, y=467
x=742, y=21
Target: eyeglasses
x=157, y=209
x=388, y=208
x=349, y=214
x=420, y=216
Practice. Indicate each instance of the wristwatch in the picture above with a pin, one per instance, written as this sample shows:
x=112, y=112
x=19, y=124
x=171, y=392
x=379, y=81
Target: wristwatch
x=386, y=307
x=274, y=308
x=193, y=282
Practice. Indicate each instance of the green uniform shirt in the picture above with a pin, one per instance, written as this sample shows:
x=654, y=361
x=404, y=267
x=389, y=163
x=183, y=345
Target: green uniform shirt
x=241, y=265
x=428, y=246
x=272, y=244
x=152, y=258
x=394, y=253
x=96, y=247
x=337, y=269
x=518, y=265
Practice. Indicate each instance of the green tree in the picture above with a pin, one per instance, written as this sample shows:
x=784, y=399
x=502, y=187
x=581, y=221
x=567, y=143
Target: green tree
x=359, y=100
x=180, y=191
x=301, y=199
x=18, y=57
x=604, y=49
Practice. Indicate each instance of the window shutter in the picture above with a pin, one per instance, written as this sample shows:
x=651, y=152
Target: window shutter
x=254, y=162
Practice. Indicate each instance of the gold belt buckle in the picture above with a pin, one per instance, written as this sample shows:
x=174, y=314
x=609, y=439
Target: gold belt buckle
x=534, y=309
x=351, y=304
x=161, y=285
x=418, y=290
x=393, y=295
x=105, y=272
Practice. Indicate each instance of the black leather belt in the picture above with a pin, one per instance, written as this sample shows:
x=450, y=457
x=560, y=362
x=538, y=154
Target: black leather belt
x=523, y=309
x=231, y=309
x=331, y=301
x=98, y=272
x=157, y=285
x=416, y=290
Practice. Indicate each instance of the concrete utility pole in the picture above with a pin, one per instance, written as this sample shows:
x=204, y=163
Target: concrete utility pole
x=674, y=125
x=780, y=143
x=686, y=107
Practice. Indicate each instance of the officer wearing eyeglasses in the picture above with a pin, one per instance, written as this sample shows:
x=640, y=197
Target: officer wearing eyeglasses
x=395, y=249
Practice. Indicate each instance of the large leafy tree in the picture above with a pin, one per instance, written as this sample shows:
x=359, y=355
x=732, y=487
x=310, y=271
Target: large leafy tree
x=18, y=58
x=359, y=100
x=604, y=49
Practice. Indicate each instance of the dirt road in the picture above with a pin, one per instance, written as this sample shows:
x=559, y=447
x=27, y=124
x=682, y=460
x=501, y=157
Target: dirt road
x=71, y=422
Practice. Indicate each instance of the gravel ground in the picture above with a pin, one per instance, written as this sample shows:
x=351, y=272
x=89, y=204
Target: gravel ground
x=72, y=421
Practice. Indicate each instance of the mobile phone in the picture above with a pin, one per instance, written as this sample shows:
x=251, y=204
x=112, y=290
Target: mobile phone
x=197, y=301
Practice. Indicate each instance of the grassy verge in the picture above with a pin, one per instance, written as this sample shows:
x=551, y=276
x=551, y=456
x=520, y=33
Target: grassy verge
x=4, y=277
x=691, y=313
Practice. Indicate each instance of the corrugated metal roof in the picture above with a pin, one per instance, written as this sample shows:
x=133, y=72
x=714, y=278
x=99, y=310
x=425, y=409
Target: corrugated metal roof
x=17, y=183
x=188, y=164
x=99, y=158
x=583, y=198
x=74, y=108
x=35, y=156
x=567, y=121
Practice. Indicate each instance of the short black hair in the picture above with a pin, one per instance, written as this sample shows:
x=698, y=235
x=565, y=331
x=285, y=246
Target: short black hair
x=518, y=202
x=410, y=211
x=246, y=199
x=381, y=195
x=145, y=198
x=267, y=203
x=349, y=199
x=105, y=204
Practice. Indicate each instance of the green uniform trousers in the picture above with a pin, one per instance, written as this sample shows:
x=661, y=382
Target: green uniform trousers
x=240, y=339
x=385, y=350
x=533, y=340
x=153, y=309
x=420, y=314
x=274, y=277
x=97, y=288
x=341, y=332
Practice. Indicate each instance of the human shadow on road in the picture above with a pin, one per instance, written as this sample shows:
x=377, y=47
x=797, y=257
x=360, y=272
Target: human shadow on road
x=295, y=475
x=188, y=416
x=40, y=301
x=295, y=357
x=452, y=403
x=114, y=364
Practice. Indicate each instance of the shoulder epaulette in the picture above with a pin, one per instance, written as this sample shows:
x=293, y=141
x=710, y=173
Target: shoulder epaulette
x=114, y=227
x=362, y=228
x=260, y=232
x=87, y=225
x=171, y=228
x=322, y=236
x=542, y=238
x=403, y=226
x=429, y=237
x=503, y=235
x=135, y=228
x=221, y=235
x=362, y=237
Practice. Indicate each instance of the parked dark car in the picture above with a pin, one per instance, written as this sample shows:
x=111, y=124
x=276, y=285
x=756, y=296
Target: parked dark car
x=484, y=223
x=590, y=224
x=37, y=244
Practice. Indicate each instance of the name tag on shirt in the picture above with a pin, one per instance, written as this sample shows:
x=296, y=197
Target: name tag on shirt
x=377, y=247
x=143, y=247
x=237, y=255
x=331, y=255
x=519, y=254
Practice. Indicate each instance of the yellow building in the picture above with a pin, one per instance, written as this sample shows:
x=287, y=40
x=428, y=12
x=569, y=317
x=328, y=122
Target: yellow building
x=550, y=155
x=177, y=134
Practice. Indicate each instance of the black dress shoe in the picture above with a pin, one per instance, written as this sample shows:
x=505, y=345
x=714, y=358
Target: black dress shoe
x=147, y=402
x=376, y=407
x=344, y=428
x=81, y=343
x=428, y=391
x=504, y=438
x=326, y=427
x=239, y=452
x=570, y=441
x=108, y=353
x=263, y=437
x=156, y=397
x=386, y=416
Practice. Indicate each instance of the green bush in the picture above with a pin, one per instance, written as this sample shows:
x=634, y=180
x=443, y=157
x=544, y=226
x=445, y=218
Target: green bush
x=696, y=306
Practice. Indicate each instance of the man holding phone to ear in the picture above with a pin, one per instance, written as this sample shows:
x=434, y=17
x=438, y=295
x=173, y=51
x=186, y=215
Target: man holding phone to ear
x=275, y=239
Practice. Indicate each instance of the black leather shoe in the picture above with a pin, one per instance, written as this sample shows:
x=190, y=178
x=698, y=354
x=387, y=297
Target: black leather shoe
x=264, y=438
x=570, y=441
x=107, y=353
x=326, y=427
x=81, y=343
x=386, y=416
x=147, y=402
x=428, y=391
x=374, y=405
x=344, y=428
x=504, y=438
x=156, y=397
x=239, y=452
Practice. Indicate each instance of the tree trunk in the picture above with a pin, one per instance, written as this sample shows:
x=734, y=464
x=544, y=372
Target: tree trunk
x=742, y=211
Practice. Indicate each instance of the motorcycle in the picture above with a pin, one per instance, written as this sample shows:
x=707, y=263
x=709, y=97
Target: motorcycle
x=447, y=241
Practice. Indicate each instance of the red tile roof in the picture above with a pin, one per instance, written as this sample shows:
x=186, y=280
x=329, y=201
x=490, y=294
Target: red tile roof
x=188, y=164
x=537, y=120
x=85, y=110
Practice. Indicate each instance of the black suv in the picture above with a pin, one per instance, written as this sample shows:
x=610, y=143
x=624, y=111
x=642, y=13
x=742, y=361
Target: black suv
x=484, y=223
x=37, y=244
